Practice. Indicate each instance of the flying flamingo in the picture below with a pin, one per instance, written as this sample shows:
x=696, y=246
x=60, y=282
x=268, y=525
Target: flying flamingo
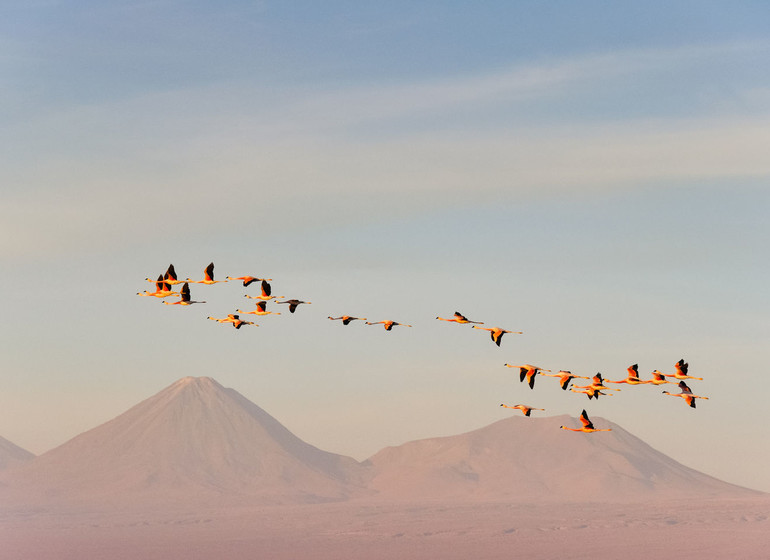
x=597, y=383
x=681, y=371
x=388, y=324
x=658, y=378
x=524, y=408
x=346, y=319
x=459, y=318
x=590, y=391
x=162, y=289
x=266, y=291
x=234, y=319
x=594, y=390
x=686, y=394
x=588, y=426
x=293, y=303
x=633, y=377
x=496, y=333
x=528, y=372
x=248, y=279
x=260, y=310
x=564, y=377
x=208, y=276
x=185, y=297
x=169, y=277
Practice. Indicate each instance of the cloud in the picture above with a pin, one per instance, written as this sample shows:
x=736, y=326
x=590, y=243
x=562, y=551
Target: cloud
x=211, y=158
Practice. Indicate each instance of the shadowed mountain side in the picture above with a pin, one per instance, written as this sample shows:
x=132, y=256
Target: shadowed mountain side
x=12, y=455
x=193, y=440
x=531, y=459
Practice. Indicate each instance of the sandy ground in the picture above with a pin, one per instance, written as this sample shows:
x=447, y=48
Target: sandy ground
x=377, y=530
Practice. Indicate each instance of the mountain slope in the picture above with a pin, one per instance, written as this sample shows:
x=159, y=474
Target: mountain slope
x=12, y=455
x=193, y=440
x=531, y=459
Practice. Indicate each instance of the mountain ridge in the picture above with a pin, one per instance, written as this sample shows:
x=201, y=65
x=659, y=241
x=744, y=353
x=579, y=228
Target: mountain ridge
x=197, y=440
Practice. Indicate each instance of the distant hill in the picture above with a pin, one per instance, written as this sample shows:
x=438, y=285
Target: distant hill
x=194, y=440
x=12, y=455
x=531, y=459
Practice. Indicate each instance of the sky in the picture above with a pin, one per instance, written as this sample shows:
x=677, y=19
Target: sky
x=593, y=174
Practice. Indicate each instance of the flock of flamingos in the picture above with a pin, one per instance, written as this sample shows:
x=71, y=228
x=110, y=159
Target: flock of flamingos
x=164, y=288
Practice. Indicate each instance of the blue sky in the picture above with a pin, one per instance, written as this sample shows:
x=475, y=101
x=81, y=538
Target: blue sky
x=594, y=175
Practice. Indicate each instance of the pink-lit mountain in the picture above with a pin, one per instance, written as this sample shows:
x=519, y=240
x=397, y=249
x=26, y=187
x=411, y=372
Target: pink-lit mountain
x=196, y=442
x=531, y=459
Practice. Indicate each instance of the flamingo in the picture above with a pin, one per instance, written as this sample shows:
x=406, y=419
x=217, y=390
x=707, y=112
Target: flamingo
x=658, y=378
x=564, y=377
x=633, y=377
x=346, y=319
x=185, y=297
x=169, y=277
x=234, y=319
x=528, y=372
x=260, y=310
x=588, y=426
x=459, y=318
x=388, y=324
x=208, y=276
x=496, y=333
x=686, y=394
x=597, y=383
x=293, y=303
x=591, y=391
x=594, y=390
x=162, y=289
x=266, y=291
x=524, y=408
x=681, y=371
x=248, y=279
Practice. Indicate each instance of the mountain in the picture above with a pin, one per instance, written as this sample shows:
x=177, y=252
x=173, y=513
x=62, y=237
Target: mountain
x=194, y=440
x=12, y=455
x=530, y=459
x=196, y=443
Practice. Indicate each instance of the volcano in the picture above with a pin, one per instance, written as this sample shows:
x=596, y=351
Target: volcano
x=194, y=440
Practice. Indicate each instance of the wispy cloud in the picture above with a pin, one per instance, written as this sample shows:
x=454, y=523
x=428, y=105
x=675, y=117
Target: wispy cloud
x=174, y=158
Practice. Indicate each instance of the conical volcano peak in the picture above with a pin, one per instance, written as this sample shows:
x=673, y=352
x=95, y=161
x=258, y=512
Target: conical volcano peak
x=197, y=382
x=195, y=438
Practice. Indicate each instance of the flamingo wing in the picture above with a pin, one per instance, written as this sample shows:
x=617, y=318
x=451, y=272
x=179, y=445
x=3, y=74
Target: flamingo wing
x=266, y=289
x=587, y=424
x=209, y=272
x=185, y=292
x=170, y=273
